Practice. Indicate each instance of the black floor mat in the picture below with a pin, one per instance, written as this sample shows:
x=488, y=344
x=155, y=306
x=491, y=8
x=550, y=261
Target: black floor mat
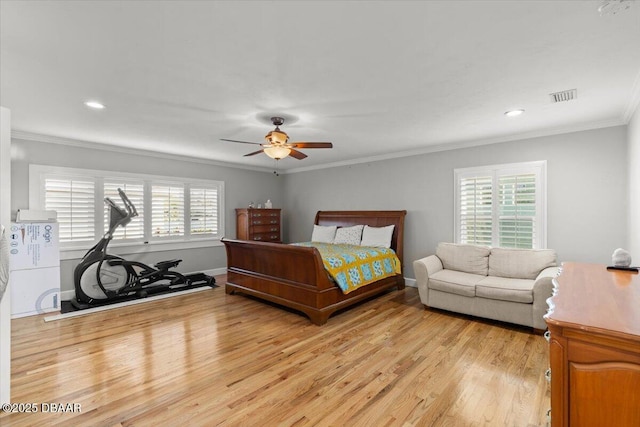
x=68, y=307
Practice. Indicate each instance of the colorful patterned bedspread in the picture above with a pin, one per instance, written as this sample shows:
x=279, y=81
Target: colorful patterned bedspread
x=355, y=266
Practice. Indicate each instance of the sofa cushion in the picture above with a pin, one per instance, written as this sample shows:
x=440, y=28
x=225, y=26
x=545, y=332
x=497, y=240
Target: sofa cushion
x=506, y=289
x=466, y=258
x=455, y=282
x=520, y=263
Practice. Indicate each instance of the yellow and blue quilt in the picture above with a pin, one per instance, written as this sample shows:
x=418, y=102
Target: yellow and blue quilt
x=355, y=266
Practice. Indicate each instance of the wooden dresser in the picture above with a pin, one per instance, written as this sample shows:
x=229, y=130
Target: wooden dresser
x=262, y=225
x=594, y=344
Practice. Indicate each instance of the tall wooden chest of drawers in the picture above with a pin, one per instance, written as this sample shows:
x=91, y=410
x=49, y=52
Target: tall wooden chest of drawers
x=594, y=325
x=262, y=225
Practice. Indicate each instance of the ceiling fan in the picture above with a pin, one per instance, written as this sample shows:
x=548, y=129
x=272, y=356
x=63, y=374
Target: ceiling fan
x=278, y=145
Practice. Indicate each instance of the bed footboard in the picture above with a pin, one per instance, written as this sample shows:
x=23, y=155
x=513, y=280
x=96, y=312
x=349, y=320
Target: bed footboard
x=292, y=276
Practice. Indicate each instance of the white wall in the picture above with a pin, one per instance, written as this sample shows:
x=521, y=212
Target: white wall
x=586, y=181
x=241, y=187
x=633, y=137
x=5, y=219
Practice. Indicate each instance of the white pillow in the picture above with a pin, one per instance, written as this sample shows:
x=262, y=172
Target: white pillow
x=378, y=237
x=348, y=235
x=323, y=233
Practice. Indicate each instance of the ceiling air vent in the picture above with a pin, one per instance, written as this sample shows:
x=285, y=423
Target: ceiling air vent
x=565, y=95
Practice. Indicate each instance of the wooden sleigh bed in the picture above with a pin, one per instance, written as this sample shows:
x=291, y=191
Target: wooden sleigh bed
x=294, y=276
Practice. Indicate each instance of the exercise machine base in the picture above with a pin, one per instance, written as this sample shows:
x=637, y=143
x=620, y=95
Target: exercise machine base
x=195, y=280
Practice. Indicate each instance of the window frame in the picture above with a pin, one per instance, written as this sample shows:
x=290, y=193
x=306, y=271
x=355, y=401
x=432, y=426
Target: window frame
x=539, y=168
x=74, y=250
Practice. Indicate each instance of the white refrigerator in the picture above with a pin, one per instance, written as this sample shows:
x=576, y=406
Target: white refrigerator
x=34, y=258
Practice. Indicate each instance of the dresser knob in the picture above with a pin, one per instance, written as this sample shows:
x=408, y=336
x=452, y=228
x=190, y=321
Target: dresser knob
x=547, y=336
x=547, y=375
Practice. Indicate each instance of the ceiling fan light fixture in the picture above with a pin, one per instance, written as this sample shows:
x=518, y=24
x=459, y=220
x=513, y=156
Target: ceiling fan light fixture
x=277, y=152
x=278, y=147
x=276, y=137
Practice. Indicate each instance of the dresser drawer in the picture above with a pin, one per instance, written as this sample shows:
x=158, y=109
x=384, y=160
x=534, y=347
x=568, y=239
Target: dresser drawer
x=266, y=228
x=264, y=213
x=264, y=221
x=266, y=237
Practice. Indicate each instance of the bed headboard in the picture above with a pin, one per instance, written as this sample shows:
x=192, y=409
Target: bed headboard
x=370, y=218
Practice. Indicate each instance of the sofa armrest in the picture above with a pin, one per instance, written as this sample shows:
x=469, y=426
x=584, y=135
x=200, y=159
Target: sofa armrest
x=550, y=272
x=542, y=290
x=423, y=269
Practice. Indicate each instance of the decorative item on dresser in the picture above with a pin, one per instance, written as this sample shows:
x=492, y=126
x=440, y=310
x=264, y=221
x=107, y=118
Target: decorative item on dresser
x=594, y=344
x=260, y=225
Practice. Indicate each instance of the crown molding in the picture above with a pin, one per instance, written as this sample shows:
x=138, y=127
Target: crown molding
x=29, y=136
x=50, y=139
x=464, y=144
x=634, y=101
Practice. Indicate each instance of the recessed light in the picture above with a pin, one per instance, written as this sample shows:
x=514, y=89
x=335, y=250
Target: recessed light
x=94, y=104
x=513, y=113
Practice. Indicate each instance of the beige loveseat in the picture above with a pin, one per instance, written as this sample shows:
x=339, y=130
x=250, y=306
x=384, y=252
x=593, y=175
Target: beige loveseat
x=510, y=285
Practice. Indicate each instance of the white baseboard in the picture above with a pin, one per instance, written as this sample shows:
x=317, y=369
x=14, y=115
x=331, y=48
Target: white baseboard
x=410, y=282
x=70, y=294
x=67, y=295
x=216, y=271
x=122, y=304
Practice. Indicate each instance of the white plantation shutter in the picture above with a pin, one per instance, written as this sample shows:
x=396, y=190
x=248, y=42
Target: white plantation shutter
x=517, y=211
x=501, y=206
x=73, y=199
x=204, y=210
x=135, y=193
x=167, y=210
x=172, y=212
x=475, y=210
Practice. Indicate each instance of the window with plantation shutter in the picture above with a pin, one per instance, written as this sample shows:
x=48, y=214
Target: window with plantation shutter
x=204, y=210
x=135, y=193
x=501, y=205
x=173, y=213
x=476, y=213
x=517, y=211
x=73, y=200
x=167, y=210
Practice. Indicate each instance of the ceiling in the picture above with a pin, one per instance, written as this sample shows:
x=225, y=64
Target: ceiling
x=377, y=78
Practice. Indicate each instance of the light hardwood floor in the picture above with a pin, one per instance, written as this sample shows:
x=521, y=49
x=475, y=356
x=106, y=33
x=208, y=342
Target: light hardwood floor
x=209, y=358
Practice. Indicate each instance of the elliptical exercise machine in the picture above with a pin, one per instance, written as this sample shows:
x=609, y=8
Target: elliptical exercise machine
x=101, y=278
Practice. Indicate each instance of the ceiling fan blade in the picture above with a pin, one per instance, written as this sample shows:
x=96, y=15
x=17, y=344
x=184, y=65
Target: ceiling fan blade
x=242, y=142
x=311, y=145
x=297, y=154
x=254, y=153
